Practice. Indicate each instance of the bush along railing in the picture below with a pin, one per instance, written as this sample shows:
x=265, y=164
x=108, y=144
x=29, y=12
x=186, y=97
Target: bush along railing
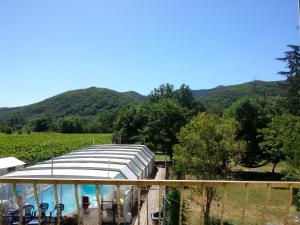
x=140, y=202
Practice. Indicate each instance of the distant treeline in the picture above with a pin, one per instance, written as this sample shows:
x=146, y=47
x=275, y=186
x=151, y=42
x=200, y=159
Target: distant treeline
x=103, y=122
x=96, y=110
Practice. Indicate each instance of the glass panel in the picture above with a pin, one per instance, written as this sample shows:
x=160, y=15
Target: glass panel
x=142, y=159
x=134, y=168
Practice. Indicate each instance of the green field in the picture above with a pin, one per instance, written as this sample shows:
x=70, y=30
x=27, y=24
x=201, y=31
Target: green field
x=36, y=147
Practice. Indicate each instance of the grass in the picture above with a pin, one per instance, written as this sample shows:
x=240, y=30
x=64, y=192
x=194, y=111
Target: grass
x=255, y=209
x=264, y=169
x=159, y=156
x=35, y=147
x=274, y=212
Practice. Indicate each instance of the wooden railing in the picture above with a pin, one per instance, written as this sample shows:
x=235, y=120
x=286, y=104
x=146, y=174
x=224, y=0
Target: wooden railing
x=160, y=185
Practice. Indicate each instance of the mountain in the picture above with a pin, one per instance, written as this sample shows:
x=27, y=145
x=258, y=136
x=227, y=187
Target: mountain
x=90, y=101
x=219, y=98
x=82, y=102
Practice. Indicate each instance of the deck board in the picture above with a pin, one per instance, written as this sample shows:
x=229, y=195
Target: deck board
x=153, y=199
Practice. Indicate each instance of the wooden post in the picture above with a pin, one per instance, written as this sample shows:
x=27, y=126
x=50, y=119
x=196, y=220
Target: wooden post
x=245, y=203
x=36, y=198
x=225, y=193
x=202, y=205
x=289, y=203
x=147, y=199
x=99, y=203
x=57, y=204
x=139, y=205
x=266, y=204
x=77, y=203
x=118, y=203
x=1, y=208
x=19, y=202
x=181, y=205
x=159, y=203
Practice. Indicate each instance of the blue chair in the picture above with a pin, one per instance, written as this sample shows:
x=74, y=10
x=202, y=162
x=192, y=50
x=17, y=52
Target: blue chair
x=28, y=211
x=7, y=216
x=44, y=208
x=53, y=214
x=15, y=218
x=12, y=217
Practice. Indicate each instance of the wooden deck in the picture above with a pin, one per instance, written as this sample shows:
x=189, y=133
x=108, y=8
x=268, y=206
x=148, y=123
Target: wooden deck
x=91, y=217
x=152, y=199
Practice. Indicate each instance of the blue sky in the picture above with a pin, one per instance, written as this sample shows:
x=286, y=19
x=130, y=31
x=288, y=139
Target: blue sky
x=47, y=47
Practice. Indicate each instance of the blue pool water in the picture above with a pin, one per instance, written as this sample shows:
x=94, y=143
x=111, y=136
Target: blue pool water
x=67, y=197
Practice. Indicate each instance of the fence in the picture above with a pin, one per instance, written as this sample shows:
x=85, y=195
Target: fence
x=160, y=186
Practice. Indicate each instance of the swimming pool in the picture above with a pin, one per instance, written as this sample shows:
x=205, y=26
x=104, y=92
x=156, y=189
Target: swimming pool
x=66, y=196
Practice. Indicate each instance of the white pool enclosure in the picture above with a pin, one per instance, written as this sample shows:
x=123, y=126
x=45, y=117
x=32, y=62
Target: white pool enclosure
x=111, y=161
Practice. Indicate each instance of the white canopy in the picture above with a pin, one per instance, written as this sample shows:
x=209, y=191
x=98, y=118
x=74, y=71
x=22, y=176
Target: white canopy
x=9, y=162
x=98, y=161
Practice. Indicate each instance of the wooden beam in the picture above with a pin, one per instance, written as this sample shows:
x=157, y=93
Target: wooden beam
x=99, y=203
x=19, y=202
x=77, y=203
x=224, y=198
x=37, y=201
x=139, y=205
x=171, y=183
x=57, y=204
x=119, y=203
x=181, y=205
x=246, y=200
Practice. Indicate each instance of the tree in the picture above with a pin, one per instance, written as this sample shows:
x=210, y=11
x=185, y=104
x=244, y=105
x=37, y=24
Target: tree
x=173, y=206
x=250, y=115
x=292, y=59
x=129, y=123
x=292, y=173
x=278, y=138
x=71, y=125
x=294, y=160
x=106, y=120
x=162, y=92
x=164, y=121
x=41, y=124
x=154, y=124
x=275, y=106
x=183, y=96
x=207, y=148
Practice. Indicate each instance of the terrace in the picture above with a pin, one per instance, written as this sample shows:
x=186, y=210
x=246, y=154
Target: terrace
x=122, y=191
x=159, y=186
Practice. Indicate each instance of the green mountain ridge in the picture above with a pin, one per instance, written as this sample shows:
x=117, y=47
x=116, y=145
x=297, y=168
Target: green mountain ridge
x=82, y=102
x=219, y=98
x=90, y=101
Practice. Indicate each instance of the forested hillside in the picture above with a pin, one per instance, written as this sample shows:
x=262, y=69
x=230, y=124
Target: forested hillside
x=219, y=98
x=83, y=102
x=95, y=109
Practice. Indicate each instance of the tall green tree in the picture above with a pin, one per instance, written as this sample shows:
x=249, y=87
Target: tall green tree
x=251, y=117
x=207, y=148
x=278, y=138
x=164, y=121
x=183, y=96
x=292, y=59
x=129, y=123
x=162, y=92
x=41, y=124
x=154, y=124
x=294, y=160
